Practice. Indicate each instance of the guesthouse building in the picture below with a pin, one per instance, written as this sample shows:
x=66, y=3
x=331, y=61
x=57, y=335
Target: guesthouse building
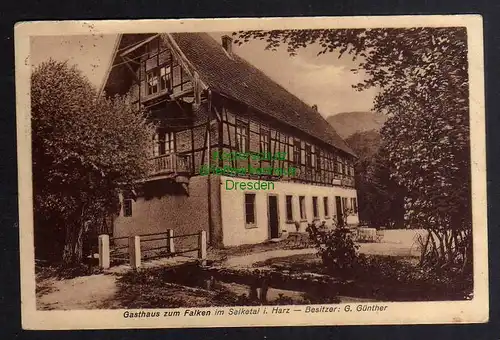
x=206, y=100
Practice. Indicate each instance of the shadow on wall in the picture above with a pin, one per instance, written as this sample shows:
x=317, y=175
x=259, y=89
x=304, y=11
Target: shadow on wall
x=157, y=189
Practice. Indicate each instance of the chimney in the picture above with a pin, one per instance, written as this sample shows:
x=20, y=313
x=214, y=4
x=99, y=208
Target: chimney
x=315, y=107
x=227, y=43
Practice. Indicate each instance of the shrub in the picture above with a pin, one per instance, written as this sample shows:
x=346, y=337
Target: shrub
x=336, y=248
x=400, y=279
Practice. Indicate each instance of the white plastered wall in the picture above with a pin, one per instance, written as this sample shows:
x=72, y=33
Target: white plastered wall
x=235, y=230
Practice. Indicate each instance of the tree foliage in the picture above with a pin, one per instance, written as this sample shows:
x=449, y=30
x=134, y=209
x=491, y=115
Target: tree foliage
x=422, y=75
x=381, y=198
x=84, y=148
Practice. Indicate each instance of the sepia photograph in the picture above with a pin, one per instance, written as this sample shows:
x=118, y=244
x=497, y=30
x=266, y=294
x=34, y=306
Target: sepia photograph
x=186, y=173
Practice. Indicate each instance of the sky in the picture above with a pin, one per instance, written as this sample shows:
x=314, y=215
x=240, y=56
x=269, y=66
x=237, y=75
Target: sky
x=325, y=80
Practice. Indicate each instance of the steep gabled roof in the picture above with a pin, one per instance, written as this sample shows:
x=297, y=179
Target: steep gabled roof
x=234, y=77
x=118, y=78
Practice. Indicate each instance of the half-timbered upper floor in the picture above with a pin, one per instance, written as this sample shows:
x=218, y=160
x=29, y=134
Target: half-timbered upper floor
x=206, y=99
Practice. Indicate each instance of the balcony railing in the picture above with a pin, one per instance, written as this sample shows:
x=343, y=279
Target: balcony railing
x=170, y=164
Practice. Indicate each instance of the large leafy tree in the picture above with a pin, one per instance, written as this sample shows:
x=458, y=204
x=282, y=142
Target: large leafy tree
x=85, y=147
x=422, y=75
x=381, y=198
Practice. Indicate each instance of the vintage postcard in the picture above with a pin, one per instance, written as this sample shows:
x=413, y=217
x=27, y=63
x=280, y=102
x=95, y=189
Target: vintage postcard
x=252, y=172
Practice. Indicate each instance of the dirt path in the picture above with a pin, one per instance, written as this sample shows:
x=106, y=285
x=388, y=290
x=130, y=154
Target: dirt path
x=395, y=243
x=99, y=291
x=93, y=291
x=84, y=292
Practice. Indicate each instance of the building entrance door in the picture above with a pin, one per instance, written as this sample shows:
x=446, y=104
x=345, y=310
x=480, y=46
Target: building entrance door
x=273, y=217
x=338, y=207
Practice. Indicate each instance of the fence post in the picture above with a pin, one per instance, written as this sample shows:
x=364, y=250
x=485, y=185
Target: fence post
x=134, y=251
x=202, y=246
x=103, y=246
x=170, y=241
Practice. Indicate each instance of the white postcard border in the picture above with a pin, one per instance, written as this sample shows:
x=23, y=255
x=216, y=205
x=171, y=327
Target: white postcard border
x=474, y=311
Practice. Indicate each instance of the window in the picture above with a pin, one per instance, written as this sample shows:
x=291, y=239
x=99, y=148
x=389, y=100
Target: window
x=318, y=159
x=264, y=140
x=289, y=211
x=169, y=142
x=159, y=79
x=241, y=136
x=325, y=206
x=165, y=77
x=354, y=204
x=127, y=207
x=302, y=206
x=340, y=168
x=315, y=207
x=308, y=155
x=296, y=152
x=345, y=205
x=163, y=143
x=250, y=208
x=152, y=82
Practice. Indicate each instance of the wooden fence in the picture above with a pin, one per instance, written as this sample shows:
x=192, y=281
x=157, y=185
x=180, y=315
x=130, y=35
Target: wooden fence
x=136, y=250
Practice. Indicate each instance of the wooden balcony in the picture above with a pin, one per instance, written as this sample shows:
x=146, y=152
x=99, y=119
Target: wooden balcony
x=348, y=181
x=171, y=164
x=344, y=180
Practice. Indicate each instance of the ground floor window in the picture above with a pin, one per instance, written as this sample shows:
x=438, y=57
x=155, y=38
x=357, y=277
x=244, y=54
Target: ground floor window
x=315, y=207
x=289, y=211
x=127, y=207
x=302, y=206
x=354, y=205
x=345, y=204
x=325, y=206
x=250, y=209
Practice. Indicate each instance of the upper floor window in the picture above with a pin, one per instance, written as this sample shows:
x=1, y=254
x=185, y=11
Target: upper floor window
x=152, y=83
x=241, y=136
x=308, y=155
x=159, y=79
x=319, y=161
x=165, y=77
x=296, y=152
x=163, y=143
x=264, y=140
